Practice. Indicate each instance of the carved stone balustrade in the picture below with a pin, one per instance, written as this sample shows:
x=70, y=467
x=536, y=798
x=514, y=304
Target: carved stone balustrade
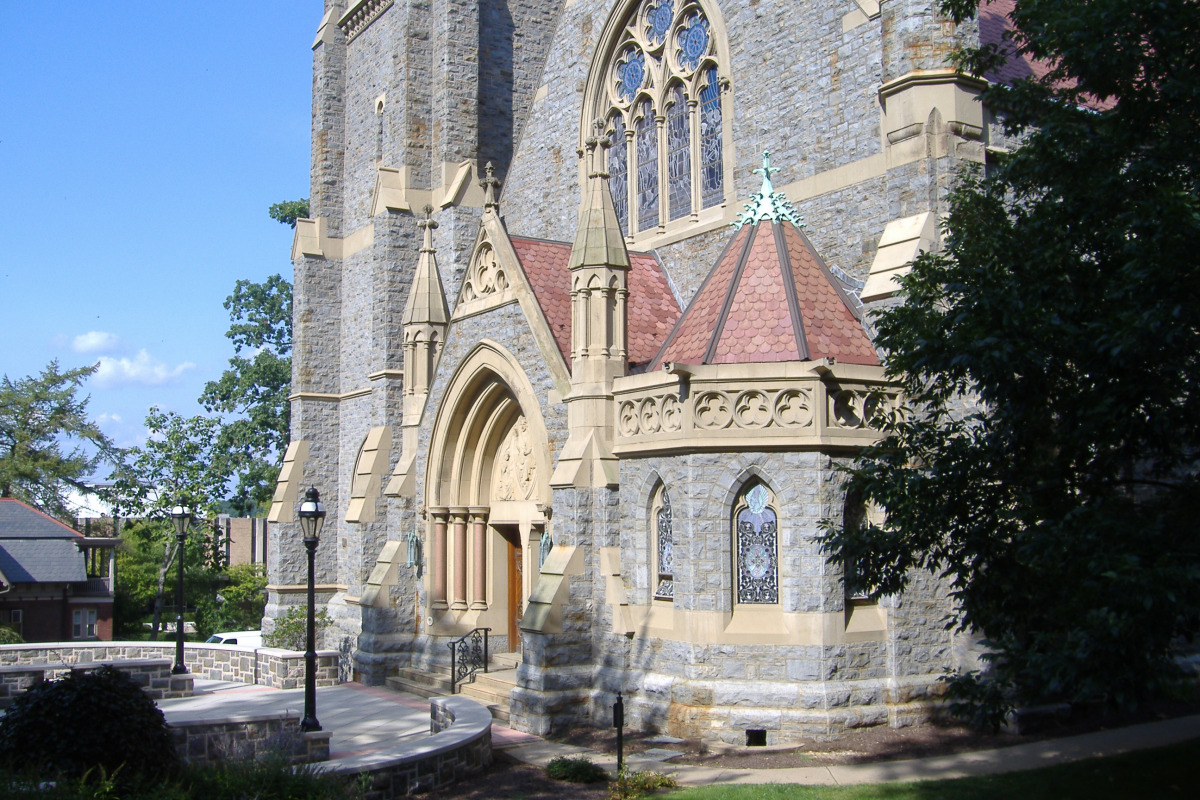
x=789, y=405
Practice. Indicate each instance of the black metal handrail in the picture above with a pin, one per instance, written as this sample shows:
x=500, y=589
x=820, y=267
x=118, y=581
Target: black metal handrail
x=468, y=654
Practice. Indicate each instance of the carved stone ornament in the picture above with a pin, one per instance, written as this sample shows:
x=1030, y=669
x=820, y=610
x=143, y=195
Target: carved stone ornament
x=486, y=276
x=515, y=470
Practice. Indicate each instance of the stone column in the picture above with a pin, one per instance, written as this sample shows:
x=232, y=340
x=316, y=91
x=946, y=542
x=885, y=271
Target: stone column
x=438, y=569
x=458, y=517
x=479, y=557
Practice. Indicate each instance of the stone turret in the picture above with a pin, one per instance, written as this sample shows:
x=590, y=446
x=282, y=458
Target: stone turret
x=599, y=268
x=426, y=318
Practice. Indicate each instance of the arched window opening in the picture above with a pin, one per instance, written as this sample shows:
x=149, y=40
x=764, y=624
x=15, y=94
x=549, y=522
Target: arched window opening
x=679, y=156
x=756, y=543
x=661, y=96
x=664, y=541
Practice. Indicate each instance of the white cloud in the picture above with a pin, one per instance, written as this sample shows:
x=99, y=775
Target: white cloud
x=95, y=342
x=141, y=370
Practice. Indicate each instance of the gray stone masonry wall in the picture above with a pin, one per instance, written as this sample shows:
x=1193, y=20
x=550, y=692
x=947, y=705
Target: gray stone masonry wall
x=455, y=86
x=204, y=742
x=328, y=132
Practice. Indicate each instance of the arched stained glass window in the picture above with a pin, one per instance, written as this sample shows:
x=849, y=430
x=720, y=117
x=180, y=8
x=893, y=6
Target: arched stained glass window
x=646, y=141
x=664, y=588
x=679, y=156
x=661, y=84
x=756, y=542
x=618, y=171
x=712, y=176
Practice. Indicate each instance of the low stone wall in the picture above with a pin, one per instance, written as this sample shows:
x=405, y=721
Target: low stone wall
x=240, y=738
x=461, y=745
x=264, y=666
x=153, y=675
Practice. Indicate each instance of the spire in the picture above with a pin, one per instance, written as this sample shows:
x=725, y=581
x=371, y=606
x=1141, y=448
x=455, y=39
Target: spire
x=768, y=204
x=598, y=241
x=426, y=299
x=490, y=184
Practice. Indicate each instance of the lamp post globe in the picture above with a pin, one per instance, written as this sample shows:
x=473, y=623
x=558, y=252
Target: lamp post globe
x=312, y=518
x=181, y=517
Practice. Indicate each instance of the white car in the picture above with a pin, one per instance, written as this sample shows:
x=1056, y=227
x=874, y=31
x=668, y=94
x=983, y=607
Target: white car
x=240, y=638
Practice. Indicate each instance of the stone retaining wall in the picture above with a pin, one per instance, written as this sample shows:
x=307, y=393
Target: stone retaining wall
x=208, y=741
x=264, y=666
x=153, y=675
x=461, y=745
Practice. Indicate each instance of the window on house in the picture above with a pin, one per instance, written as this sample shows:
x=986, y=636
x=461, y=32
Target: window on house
x=756, y=545
x=83, y=623
x=662, y=101
x=664, y=546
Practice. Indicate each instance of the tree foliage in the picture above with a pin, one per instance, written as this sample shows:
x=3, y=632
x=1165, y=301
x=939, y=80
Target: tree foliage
x=253, y=392
x=289, y=211
x=48, y=446
x=1048, y=468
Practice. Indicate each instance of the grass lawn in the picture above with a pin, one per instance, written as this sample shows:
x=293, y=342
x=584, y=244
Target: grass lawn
x=1162, y=773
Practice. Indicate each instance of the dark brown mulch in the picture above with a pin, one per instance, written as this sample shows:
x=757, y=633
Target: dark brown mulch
x=513, y=780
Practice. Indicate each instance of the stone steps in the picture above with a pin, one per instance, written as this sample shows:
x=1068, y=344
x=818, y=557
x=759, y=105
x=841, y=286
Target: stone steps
x=490, y=689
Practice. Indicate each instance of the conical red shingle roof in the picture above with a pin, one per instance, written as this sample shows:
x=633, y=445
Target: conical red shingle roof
x=769, y=298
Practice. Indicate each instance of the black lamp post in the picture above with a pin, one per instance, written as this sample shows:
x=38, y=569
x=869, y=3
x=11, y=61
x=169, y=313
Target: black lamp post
x=312, y=517
x=182, y=518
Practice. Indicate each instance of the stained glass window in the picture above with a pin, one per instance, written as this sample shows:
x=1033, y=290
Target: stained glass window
x=665, y=538
x=618, y=171
x=647, y=167
x=679, y=157
x=658, y=20
x=712, y=176
x=757, y=548
x=666, y=53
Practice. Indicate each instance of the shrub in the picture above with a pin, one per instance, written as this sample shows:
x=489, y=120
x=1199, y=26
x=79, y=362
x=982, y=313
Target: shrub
x=291, y=630
x=99, y=722
x=9, y=636
x=634, y=785
x=575, y=769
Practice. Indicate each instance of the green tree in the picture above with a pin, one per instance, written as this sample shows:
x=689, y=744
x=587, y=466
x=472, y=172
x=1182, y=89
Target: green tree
x=1048, y=468
x=253, y=392
x=48, y=446
x=237, y=604
x=178, y=464
x=289, y=211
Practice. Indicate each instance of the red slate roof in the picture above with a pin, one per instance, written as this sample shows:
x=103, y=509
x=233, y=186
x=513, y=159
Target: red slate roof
x=768, y=298
x=651, y=307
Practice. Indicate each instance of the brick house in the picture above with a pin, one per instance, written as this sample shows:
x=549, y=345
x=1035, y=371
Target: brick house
x=47, y=592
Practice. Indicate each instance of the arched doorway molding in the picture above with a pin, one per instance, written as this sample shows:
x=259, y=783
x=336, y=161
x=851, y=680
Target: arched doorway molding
x=486, y=494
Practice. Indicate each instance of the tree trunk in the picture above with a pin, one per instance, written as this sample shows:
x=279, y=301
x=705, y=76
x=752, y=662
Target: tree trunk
x=164, y=568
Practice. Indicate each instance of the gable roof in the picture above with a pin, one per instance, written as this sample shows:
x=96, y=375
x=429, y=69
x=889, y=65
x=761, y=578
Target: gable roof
x=651, y=307
x=768, y=298
x=36, y=548
x=21, y=521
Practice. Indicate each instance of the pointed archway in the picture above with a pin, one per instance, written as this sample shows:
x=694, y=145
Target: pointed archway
x=486, y=495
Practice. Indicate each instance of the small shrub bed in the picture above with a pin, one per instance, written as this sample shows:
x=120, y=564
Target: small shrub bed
x=575, y=769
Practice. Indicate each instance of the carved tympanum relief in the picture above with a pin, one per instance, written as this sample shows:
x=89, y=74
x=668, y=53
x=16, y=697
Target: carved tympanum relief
x=515, y=472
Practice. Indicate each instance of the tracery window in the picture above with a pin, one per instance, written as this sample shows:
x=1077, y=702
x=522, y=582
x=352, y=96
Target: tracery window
x=662, y=102
x=756, y=543
x=664, y=543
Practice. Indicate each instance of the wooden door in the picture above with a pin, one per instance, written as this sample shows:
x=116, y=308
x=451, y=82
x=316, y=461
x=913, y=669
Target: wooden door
x=516, y=592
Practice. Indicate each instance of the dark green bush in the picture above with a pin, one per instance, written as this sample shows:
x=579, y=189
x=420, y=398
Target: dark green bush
x=99, y=721
x=575, y=769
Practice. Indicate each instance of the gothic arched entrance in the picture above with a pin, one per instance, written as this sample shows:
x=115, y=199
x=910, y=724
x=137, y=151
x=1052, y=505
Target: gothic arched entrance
x=486, y=495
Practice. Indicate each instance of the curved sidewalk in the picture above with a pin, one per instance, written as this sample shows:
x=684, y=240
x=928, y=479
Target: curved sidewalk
x=1017, y=758
x=366, y=720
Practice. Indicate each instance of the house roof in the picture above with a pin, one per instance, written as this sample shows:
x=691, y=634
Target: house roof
x=21, y=521
x=36, y=548
x=651, y=307
x=768, y=298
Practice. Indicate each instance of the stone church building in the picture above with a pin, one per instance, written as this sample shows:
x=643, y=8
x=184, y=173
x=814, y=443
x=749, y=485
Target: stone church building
x=576, y=362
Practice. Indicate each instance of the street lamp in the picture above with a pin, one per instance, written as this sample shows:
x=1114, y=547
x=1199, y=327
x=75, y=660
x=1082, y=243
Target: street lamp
x=182, y=518
x=312, y=517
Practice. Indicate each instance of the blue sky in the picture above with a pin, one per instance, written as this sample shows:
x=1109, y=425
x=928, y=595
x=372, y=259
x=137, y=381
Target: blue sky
x=141, y=144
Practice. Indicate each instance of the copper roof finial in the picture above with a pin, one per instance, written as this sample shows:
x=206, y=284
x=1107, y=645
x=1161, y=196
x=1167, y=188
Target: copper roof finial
x=768, y=204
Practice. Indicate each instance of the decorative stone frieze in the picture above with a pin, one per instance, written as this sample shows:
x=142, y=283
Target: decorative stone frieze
x=360, y=15
x=805, y=405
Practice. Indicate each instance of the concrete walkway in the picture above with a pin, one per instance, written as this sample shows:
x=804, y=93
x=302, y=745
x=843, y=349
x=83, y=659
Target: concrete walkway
x=367, y=720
